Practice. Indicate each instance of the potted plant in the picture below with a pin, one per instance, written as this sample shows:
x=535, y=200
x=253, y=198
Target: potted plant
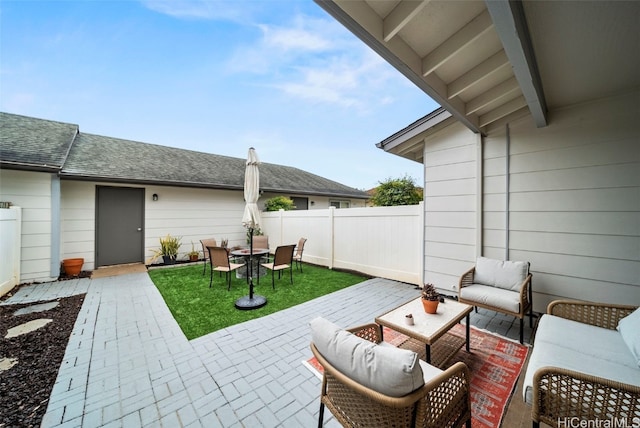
x=169, y=246
x=193, y=255
x=430, y=298
x=72, y=267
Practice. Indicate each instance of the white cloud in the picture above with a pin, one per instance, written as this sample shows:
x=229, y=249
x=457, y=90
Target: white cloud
x=315, y=60
x=292, y=39
x=200, y=9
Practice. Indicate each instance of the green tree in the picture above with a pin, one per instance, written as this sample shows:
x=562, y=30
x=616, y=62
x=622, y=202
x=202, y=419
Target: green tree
x=279, y=202
x=397, y=191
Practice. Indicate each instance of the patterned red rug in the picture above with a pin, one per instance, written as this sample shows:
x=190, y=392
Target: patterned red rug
x=494, y=362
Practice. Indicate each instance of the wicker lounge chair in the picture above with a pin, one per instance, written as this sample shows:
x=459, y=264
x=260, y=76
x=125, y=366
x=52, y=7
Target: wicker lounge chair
x=443, y=401
x=501, y=286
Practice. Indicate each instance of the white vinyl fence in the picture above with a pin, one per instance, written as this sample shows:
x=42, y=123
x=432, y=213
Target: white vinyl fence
x=385, y=242
x=10, y=244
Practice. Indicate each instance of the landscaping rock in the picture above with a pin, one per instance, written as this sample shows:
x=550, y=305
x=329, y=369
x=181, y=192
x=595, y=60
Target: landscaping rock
x=36, y=308
x=27, y=327
x=7, y=363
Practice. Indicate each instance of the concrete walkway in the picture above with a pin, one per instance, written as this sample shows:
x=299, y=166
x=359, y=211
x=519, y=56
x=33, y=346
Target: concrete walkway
x=127, y=363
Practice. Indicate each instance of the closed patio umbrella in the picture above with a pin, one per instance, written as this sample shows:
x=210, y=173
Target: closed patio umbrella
x=251, y=220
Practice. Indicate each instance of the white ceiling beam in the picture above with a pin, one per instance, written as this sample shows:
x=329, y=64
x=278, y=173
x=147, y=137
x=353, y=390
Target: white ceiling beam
x=502, y=111
x=498, y=92
x=477, y=74
x=364, y=23
x=511, y=26
x=465, y=36
x=400, y=16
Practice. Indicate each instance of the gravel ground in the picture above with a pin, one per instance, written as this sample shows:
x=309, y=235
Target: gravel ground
x=25, y=387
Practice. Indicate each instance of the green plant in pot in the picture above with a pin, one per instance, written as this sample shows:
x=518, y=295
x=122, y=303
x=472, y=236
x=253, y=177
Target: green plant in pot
x=430, y=298
x=169, y=246
x=194, y=254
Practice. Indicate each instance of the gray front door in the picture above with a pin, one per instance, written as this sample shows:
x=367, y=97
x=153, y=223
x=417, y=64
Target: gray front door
x=119, y=225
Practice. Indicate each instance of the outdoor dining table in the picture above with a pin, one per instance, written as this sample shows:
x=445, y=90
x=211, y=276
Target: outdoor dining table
x=246, y=254
x=251, y=301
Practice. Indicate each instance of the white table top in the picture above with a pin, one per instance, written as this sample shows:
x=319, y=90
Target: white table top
x=427, y=327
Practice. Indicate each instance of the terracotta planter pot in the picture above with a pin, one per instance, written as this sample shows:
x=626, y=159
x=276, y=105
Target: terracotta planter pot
x=72, y=267
x=430, y=306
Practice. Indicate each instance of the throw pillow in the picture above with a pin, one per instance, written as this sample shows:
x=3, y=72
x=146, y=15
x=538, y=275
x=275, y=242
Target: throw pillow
x=388, y=370
x=629, y=328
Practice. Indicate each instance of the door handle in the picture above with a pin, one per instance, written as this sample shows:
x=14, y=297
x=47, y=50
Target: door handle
x=139, y=229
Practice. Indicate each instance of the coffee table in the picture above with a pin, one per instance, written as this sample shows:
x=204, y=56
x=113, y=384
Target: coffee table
x=430, y=331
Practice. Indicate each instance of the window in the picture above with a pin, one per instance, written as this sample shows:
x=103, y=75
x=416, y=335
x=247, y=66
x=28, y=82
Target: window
x=300, y=203
x=340, y=204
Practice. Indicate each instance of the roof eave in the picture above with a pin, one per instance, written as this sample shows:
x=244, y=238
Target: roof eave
x=106, y=179
x=23, y=166
x=125, y=180
x=416, y=128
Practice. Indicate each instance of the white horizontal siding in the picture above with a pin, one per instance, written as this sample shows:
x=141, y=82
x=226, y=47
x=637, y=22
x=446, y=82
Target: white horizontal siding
x=192, y=214
x=608, y=223
x=574, y=202
x=77, y=218
x=450, y=202
x=32, y=192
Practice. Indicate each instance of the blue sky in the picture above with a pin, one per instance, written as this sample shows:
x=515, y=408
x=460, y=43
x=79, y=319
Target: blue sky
x=212, y=76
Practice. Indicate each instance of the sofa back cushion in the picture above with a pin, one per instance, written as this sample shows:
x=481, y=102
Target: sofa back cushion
x=508, y=275
x=629, y=328
x=391, y=371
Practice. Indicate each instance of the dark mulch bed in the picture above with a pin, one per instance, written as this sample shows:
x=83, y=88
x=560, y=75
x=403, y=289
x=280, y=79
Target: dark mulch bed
x=25, y=388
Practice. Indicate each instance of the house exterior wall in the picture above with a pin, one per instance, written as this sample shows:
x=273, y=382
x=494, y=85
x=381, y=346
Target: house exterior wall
x=193, y=214
x=32, y=191
x=450, y=204
x=573, y=201
x=570, y=203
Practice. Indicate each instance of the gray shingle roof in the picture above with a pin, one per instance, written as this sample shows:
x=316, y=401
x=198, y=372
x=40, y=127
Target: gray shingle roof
x=30, y=143
x=99, y=158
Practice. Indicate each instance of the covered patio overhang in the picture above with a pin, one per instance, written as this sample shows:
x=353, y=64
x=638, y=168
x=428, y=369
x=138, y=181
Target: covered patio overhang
x=483, y=61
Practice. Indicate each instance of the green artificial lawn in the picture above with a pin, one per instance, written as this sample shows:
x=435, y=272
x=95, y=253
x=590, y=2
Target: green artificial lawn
x=200, y=310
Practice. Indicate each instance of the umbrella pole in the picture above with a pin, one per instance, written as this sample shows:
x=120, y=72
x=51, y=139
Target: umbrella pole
x=251, y=301
x=250, y=263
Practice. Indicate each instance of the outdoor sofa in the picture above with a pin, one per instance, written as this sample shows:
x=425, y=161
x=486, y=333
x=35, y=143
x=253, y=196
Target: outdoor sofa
x=585, y=366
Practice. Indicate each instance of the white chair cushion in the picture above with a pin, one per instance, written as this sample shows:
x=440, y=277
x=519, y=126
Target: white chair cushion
x=492, y=296
x=580, y=347
x=508, y=275
x=388, y=370
x=629, y=328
